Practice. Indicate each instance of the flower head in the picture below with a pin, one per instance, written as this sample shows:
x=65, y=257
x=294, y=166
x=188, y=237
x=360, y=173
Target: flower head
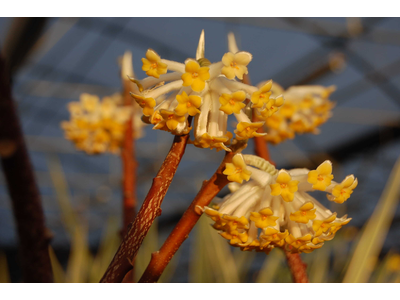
x=304, y=110
x=97, y=126
x=237, y=170
x=207, y=91
x=321, y=177
x=267, y=219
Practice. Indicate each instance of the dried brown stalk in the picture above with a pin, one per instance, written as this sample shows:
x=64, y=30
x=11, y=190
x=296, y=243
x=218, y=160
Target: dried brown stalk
x=160, y=259
x=121, y=263
x=297, y=267
x=28, y=213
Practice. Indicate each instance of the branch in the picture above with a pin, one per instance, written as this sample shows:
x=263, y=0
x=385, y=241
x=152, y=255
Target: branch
x=28, y=213
x=160, y=259
x=126, y=253
x=129, y=165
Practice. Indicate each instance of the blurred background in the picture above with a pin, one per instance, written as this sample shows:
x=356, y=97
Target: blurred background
x=54, y=60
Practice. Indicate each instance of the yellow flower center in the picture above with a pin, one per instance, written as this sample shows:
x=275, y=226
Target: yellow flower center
x=248, y=128
x=238, y=170
x=143, y=103
x=262, y=95
x=195, y=75
x=234, y=65
x=323, y=225
x=342, y=192
x=232, y=102
x=263, y=217
x=154, y=65
x=303, y=213
x=189, y=104
x=320, y=177
x=170, y=117
x=283, y=185
x=298, y=242
x=274, y=235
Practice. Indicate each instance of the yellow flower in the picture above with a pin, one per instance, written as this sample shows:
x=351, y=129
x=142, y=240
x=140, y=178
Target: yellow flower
x=271, y=107
x=342, y=191
x=89, y=102
x=187, y=104
x=284, y=186
x=195, y=75
x=152, y=64
x=147, y=104
x=322, y=226
x=235, y=64
x=301, y=244
x=322, y=177
x=287, y=110
x=208, y=141
x=274, y=236
x=246, y=130
x=305, y=214
x=171, y=119
x=262, y=95
x=235, y=237
x=263, y=218
x=233, y=223
x=237, y=170
x=232, y=103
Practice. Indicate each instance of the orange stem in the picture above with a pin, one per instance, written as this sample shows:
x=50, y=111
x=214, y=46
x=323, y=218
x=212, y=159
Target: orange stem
x=126, y=253
x=160, y=259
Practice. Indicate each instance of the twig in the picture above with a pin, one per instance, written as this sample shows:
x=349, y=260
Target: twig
x=129, y=166
x=28, y=213
x=121, y=263
x=297, y=267
x=160, y=259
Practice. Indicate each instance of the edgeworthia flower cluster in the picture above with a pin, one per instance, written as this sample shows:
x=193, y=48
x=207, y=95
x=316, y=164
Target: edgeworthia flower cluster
x=97, y=126
x=274, y=208
x=208, y=92
x=305, y=109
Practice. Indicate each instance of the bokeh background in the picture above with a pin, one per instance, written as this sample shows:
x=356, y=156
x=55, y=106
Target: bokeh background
x=57, y=59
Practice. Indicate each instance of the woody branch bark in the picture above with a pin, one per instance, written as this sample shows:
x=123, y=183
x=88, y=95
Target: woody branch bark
x=297, y=267
x=28, y=213
x=160, y=259
x=129, y=166
x=126, y=253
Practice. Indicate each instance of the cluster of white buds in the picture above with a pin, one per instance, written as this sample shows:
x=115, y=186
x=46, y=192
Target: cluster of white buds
x=274, y=208
x=208, y=92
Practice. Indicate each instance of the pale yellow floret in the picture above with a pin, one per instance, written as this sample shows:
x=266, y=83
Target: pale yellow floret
x=233, y=223
x=245, y=130
x=171, y=119
x=195, y=76
x=263, y=218
x=187, y=104
x=208, y=141
x=322, y=177
x=304, y=214
x=261, y=97
x=284, y=186
x=235, y=64
x=342, y=191
x=237, y=170
x=272, y=107
x=232, y=103
x=298, y=244
x=273, y=236
x=235, y=237
x=322, y=226
x=152, y=64
x=147, y=104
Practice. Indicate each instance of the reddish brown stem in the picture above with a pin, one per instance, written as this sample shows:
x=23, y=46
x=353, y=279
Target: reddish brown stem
x=28, y=213
x=129, y=166
x=297, y=267
x=121, y=263
x=160, y=259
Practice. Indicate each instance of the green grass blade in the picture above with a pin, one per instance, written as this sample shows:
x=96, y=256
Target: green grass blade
x=374, y=234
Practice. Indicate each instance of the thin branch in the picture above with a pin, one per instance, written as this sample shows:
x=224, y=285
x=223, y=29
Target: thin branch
x=160, y=259
x=129, y=166
x=28, y=213
x=126, y=253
